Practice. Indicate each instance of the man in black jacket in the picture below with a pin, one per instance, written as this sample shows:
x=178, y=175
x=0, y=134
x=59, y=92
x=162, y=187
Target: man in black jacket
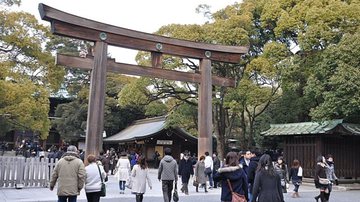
x=252, y=169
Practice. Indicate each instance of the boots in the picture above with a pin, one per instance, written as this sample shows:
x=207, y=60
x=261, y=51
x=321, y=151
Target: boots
x=322, y=197
x=138, y=197
x=205, y=188
x=293, y=195
x=297, y=194
x=327, y=196
x=317, y=198
x=197, y=188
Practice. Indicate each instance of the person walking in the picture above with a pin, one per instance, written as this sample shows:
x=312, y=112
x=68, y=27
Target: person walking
x=267, y=184
x=140, y=175
x=320, y=178
x=209, y=168
x=251, y=170
x=296, y=177
x=156, y=159
x=69, y=173
x=200, y=175
x=232, y=173
x=282, y=170
x=123, y=171
x=93, y=179
x=330, y=174
x=216, y=166
x=167, y=174
x=185, y=170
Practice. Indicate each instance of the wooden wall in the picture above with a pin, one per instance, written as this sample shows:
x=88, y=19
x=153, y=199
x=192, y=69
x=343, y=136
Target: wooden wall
x=345, y=149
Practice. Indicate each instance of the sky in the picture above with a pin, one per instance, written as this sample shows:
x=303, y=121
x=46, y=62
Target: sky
x=141, y=15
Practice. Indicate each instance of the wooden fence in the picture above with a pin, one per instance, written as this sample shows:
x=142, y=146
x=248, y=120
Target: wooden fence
x=25, y=172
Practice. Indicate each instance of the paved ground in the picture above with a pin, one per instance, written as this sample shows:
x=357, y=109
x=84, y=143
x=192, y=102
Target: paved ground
x=307, y=192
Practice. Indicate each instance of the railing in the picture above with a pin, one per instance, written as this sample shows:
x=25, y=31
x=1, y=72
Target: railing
x=21, y=172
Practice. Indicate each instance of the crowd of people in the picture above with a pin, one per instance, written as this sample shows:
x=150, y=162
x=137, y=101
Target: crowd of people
x=253, y=175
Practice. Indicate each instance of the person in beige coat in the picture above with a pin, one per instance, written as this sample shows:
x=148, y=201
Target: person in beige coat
x=140, y=174
x=123, y=171
x=70, y=173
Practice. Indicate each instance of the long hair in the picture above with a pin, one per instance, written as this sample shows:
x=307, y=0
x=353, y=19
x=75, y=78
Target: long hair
x=266, y=165
x=142, y=162
x=320, y=159
x=232, y=159
x=282, y=165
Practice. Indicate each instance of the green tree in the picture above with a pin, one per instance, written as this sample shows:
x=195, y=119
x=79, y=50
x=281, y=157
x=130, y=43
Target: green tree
x=27, y=74
x=72, y=117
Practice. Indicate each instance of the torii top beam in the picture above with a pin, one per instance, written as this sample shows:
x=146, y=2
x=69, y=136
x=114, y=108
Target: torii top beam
x=69, y=25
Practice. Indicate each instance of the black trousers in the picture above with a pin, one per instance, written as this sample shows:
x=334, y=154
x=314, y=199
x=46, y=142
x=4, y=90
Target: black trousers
x=93, y=196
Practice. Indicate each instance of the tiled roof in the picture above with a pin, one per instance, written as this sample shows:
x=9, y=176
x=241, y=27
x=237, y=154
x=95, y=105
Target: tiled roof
x=144, y=128
x=139, y=129
x=304, y=128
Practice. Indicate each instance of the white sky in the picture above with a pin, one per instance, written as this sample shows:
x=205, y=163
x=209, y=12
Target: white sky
x=141, y=15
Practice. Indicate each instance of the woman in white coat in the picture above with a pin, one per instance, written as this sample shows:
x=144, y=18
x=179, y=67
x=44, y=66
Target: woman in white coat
x=123, y=171
x=93, y=179
x=140, y=174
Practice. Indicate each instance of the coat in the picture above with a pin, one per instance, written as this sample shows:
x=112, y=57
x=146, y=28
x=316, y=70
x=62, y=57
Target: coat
x=238, y=180
x=267, y=188
x=320, y=172
x=70, y=173
x=185, y=170
x=200, y=176
x=123, y=169
x=139, y=177
x=168, y=169
x=93, y=180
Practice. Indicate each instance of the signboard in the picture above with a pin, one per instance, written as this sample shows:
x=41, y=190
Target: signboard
x=164, y=142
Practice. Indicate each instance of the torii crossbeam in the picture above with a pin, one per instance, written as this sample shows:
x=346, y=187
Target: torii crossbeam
x=65, y=24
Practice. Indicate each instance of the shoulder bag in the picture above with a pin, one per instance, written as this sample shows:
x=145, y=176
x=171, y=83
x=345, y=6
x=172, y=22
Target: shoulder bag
x=324, y=181
x=103, y=186
x=235, y=197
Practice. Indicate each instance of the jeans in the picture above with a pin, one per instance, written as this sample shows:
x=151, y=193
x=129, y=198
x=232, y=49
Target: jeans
x=250, y=196
x=67, y=198
x=296, y=184
x=167, y=187
x=122, y=185
x=210, y=179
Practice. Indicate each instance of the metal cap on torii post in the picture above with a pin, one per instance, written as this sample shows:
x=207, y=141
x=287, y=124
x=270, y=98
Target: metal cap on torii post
x=65, y=24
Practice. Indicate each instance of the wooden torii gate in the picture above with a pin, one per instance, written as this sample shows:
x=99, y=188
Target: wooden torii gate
x=65, y=24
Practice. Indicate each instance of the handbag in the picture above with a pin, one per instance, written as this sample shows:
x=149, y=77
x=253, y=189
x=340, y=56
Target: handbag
x=324, y=181
x=195, y=183
x=128, y=183
x=236, y=197
x=103, y=186
x=175, y=194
